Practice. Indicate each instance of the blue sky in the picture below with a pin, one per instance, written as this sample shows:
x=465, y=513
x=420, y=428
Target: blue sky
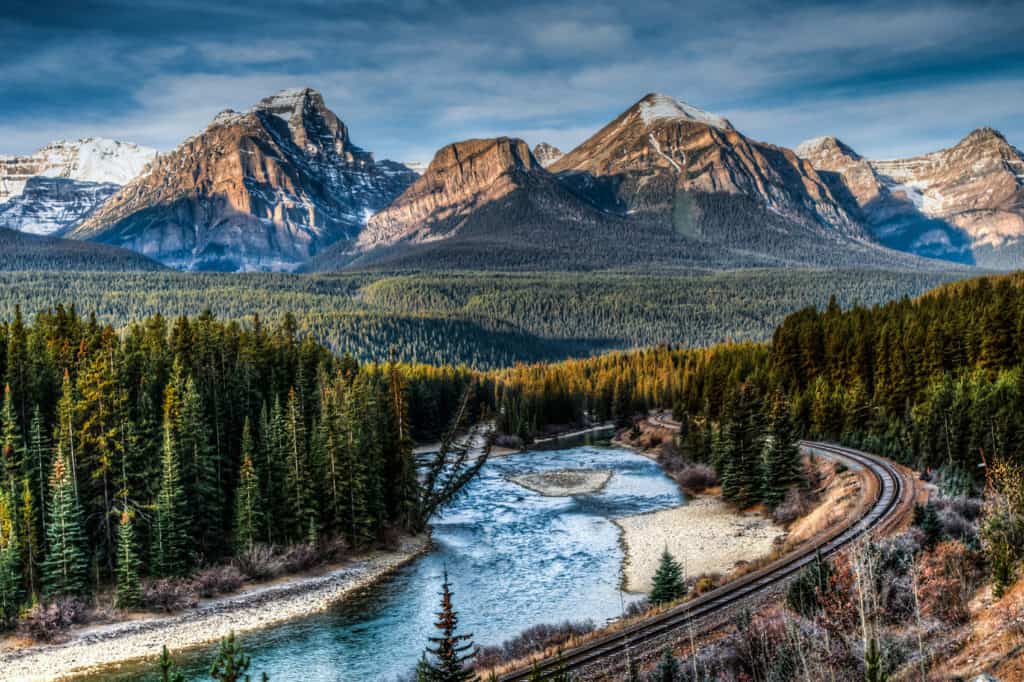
x=408, y=76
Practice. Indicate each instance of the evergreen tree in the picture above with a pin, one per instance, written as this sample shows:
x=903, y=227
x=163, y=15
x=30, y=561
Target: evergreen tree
x=668, y=668
x=451, y=652
x=66, y=429
x=247, y=496
x=301, y=506
x=65, y=569
x=782, y=467
x=358, y=523
x=129, y=591
x=741, y=448
x=30, y=536
x=401, y=465
x=668, y=585
x=200, y=472
x=170, y=531
x=10, y=565
x=12, y=449
x=168, y=671
x=232, y=663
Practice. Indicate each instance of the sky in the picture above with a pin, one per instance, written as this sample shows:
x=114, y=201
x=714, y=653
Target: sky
x=891, y=79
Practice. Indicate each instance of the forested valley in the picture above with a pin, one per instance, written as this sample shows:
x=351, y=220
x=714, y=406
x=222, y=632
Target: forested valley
x=483, y=320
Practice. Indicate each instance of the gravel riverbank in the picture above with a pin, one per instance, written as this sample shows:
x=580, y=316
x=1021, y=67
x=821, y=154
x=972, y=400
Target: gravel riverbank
x=93, y=648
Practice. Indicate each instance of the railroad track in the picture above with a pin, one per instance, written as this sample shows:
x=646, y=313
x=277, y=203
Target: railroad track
x=886, y=505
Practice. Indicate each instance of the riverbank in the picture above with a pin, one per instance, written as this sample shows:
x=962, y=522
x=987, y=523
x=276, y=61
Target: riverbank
x=94, y=648
x=705, y=535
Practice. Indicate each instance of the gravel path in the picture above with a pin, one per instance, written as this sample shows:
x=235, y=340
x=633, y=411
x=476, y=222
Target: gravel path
x=93, y=648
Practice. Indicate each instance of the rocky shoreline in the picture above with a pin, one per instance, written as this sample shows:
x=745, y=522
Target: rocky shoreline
x=95, y=648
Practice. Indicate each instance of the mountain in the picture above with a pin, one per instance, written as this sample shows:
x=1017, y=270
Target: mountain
x=490, y=204
x=62, y=183
x=20, y=251
x=964, y=203
x=262, y=189
x=658, y=154
x=547, y=154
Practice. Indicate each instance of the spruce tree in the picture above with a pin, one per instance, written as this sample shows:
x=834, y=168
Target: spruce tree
x=301, y=506
x=12, y=449
x=451, y=652
x=403, y=494
x=200, y=472
x=170, y=530
x=247, y=496
x=30, y=536
x=668, y=584
x=741, y=448
x=782, y=466
x=129, y=592
x=65, y=569
x=66, y=429
x=10, y=565
x=357, y=520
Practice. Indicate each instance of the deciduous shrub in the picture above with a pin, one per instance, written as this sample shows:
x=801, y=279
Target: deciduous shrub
x=949, y=574
x=216, y=580
x=46, y=622
x=169, y=594
x=531, y=640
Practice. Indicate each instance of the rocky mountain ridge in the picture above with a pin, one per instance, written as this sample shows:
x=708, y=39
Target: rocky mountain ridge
x=263, y=189
x=965, y=202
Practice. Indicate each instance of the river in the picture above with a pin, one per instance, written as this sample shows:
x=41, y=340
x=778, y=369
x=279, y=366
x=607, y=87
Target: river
x=515, y=558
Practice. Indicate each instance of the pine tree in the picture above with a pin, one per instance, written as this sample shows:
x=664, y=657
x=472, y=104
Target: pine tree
x=451, y=652
x=668, y=584
x=168, y=671
x=232, y=664
x=129, y=592
x=170, y=531
x=10, y=565
x=357, y=520
x=65, y=432
x=200, y=472
x=12, y=449
x=38, y=463
x=668, y=668
x=782, y=467
x=741, y=449
x=403, y=493
x=301, y=506
x=247, y=496
x=65, y=569
x=30, y=536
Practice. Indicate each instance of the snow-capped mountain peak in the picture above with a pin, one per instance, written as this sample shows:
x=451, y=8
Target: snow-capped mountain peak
x=656, y=107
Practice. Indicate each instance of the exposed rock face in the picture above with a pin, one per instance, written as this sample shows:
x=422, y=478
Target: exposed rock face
x=462, y=177
x=961, y=203
x=547, y=154
x=263, y=189
x=660, y=150
x=48, y=206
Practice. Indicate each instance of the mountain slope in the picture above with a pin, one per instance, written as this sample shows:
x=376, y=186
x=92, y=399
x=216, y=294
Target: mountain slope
x=55, y=188
x=19, y=251
x=263, y=189
x=963, y=203
x=489, y=204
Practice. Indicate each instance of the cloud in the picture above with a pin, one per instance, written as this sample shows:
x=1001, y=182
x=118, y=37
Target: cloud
x=411, y=76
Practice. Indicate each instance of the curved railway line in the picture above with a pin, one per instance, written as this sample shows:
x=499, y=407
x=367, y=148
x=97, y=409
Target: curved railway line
x=893, y=495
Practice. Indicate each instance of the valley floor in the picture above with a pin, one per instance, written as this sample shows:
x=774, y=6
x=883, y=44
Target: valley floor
x=94, y=648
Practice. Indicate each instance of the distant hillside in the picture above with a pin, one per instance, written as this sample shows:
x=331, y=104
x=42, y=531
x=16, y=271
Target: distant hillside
x=19, y=251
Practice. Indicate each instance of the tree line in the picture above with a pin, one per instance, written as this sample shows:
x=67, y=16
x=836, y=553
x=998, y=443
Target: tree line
x=176, y=444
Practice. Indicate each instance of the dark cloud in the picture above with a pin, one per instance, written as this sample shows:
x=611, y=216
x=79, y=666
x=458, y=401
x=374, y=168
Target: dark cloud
x=408, y=77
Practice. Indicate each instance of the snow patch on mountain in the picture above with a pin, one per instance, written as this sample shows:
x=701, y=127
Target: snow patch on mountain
x=657, y=107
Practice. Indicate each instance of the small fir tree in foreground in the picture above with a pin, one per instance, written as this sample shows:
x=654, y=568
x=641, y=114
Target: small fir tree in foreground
x=451, y=653
x=10, y=578
x=668, y=585
x=168, y=671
